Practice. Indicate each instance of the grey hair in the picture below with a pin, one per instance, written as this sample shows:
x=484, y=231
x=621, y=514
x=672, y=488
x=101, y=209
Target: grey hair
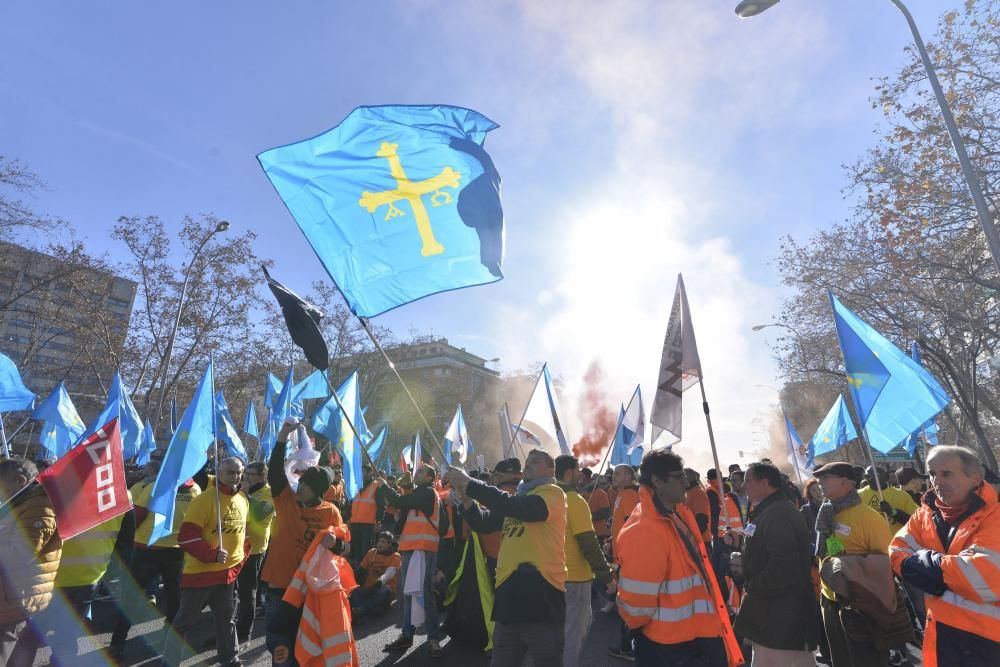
x=18, y=466
x=231, y=459
x=971, y=463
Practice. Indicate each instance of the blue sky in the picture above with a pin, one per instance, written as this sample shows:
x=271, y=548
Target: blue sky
x=637, y=140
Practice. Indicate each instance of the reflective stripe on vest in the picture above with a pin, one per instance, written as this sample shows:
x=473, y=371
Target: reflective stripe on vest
x=363, y=506
x=671, y=614
x=419, y=532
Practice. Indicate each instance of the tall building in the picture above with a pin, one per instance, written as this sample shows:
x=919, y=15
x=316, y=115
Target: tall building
x=61, y=320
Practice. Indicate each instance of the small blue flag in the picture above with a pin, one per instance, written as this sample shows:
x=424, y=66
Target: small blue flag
x=148, y=446
x=281, y=409
x=800, y=456
x=894, y=395
x=119, y=405
x=186, y=455
x=226, y=430
x=375, y=448
x=836, y=429
x=63, y=425
x=928, y=430
x=250, y=423
x=456, y=439
x=13, y=394
x=398, y=202
x=271, y=390
x=620, y=448
x=314, y=386
x=335, y=428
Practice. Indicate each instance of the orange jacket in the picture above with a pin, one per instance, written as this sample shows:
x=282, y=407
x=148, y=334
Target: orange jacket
x=325, y=636
x=598, y=502
x=697, y=501
x=971, y=568
x=665, y=589
x=626, y=501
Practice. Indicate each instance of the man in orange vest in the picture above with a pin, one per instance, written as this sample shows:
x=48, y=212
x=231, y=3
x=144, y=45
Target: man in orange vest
x=697, y=501
x=950, y=549
x=626, y=500
x=666, y=590
x=379, y=569
x=365, y=514
x=418, y=542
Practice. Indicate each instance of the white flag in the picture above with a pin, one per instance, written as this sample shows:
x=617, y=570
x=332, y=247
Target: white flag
x=634, y=422
x=456, y=440
x=680, y=368
x=544, y=414
x=798, y=453
x=506, y=432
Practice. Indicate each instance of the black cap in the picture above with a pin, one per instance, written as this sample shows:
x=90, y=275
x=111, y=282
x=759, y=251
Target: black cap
x=318, y=479
x=836, y=469
x=906, y=475
x=509, y=466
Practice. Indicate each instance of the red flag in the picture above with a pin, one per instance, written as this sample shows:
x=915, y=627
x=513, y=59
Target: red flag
x=87, y=485
x=403, y=463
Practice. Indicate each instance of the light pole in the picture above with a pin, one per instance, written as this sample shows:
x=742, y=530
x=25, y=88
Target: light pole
x=221, y=227
x=749, y=8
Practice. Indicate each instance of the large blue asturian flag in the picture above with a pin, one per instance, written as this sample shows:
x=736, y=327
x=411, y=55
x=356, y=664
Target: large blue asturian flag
x=147, y=447
x=250, y=423
x=334, y=426
x=456, y=439
x=836, y=429
x=13, y=394
x=929, y=430
x=620, y=447
x=119, y=405
x=893, y=394
x=186, y=454
x=226, y=430
x=800, y=456
x=398, y=202
x=63, y=425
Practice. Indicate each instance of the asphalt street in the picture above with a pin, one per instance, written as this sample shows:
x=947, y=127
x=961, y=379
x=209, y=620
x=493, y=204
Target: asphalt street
x=371, y=634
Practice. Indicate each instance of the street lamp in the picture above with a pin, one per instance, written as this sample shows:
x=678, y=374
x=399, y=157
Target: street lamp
x=749, y=8
x=761, y=327
x=221, y=227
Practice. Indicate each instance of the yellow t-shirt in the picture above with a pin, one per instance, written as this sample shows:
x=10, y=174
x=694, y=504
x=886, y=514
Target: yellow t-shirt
x=578, y=521
x=202, y=512
x=541, y=543
x=899, y=499
x=86, y=557
x=142, y=493
x=259, y=529
x=861, y=530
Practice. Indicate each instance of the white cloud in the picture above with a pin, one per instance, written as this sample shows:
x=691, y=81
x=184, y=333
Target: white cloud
x=664, y=73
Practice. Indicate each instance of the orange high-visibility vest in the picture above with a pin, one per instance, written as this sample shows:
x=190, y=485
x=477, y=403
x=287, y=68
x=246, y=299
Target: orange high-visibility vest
x=419, y=532
x=444, y=495
x=696, y=500
x=735, y=518
x=735, y=598
x=363, y=505
x=971, y=567
x=664, y=589
x=325, y=638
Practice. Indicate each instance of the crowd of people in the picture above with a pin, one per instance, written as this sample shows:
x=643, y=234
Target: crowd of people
x=747, y=568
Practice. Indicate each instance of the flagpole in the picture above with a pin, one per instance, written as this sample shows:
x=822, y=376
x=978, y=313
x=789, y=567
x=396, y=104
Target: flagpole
x=863, y=436
x=791, y=446
x=31, y=432
x=715, y=453
x=10, y=438
x=3, y=439
x=392, y=366
x=517, y=429
x=215, y=442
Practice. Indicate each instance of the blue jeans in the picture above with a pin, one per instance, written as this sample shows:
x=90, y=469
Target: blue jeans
x=431, y=624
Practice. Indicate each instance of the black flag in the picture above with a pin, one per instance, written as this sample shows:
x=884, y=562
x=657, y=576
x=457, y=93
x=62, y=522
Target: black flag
x=302, y=319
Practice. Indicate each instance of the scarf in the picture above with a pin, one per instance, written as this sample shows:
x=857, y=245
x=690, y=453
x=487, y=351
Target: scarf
x=824, y=518
x=952, y=514
x=524, y=488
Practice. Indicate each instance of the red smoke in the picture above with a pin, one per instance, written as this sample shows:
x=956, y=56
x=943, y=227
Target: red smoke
x=598, y=419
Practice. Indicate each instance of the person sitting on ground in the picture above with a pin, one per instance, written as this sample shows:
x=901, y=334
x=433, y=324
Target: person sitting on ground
x=379, y=570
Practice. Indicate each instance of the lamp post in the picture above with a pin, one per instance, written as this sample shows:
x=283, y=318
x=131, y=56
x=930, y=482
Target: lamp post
x=221, y=227
x=750, y=8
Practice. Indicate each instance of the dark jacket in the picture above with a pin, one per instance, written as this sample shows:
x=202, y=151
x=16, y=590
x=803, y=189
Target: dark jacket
x=778, y=609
